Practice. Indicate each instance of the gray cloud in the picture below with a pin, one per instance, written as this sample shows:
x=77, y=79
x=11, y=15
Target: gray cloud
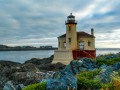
x=38, y=22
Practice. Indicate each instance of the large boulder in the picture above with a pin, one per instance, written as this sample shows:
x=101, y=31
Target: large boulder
x=65, y=79
x=26, y=78
x=4, y=63
x=9, y=86
x=52, y=67
x=5, y=67
x=38, y=61
x=87, y=64
x=29, y=67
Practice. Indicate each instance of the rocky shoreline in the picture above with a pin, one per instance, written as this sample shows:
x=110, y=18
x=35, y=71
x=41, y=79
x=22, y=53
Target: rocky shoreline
x=31, y=71
x=35, y=69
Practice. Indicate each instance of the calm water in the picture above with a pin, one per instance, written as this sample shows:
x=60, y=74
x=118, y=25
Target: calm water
x=22, y=56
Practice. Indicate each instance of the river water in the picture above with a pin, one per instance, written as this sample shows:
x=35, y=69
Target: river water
x=22, y=56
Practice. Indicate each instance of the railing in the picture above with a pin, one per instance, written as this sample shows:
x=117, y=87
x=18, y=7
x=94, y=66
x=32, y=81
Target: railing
x=70, y=21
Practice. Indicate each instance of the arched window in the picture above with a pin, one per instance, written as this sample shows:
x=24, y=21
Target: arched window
x=89, y=43
x=81, y=44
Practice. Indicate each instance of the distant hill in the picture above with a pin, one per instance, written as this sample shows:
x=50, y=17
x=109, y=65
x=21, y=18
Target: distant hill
x=22, y=48
x=107, y=48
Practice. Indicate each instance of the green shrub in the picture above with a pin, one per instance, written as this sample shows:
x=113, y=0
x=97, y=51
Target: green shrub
x=109, y=86
x=89, y=74
x=84, y=83
x=37, y=86
x=86, y=80
x=108, y=61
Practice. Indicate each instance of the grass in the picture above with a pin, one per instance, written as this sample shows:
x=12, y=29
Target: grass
x=37, y=86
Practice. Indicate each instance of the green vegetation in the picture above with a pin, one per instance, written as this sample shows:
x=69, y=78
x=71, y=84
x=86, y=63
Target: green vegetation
x=108, y=86
x=37, y=86
x=116, y=83
x=111, y=61
x=86, y=81
x=119, y=72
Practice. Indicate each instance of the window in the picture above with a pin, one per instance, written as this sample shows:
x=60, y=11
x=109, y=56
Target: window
x=89, y=43
x=59, y=44
x=64, y=44
x=69, y=28
x=69, y=40
x=81, y=44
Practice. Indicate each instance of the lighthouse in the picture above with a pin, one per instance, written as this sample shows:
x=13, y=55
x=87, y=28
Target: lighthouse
x=73, y=45
x=71, y=35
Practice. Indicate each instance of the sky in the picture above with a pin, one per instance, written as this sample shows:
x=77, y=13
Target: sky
x=40, y=22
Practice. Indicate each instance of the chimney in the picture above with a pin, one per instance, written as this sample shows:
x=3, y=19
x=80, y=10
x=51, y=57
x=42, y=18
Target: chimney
x=92, y=31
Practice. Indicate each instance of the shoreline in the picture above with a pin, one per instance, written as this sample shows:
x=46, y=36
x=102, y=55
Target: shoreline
x=35, y=49
x=27, y=49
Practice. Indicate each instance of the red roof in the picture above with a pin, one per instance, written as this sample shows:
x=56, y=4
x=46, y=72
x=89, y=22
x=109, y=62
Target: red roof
x=80, y=34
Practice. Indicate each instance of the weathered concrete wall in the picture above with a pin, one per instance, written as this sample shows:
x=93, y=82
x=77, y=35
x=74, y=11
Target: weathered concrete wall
x=63, y=56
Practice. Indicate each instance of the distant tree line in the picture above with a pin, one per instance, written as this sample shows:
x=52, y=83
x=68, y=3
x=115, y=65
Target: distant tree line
x=18, y=48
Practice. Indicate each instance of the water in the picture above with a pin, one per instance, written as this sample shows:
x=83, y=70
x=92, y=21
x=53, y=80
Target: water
x=22, y=56
x=102, y=52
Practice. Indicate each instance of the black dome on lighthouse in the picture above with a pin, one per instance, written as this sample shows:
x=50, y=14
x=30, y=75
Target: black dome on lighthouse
x=71, y=16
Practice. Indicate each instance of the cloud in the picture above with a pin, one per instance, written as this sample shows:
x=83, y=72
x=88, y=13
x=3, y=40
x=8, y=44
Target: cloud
x=28, y=22
x=110, y=40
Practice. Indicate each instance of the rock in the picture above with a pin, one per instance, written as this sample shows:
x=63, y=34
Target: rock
x=9, y=86
x=26, y=78
x=7, y=63
x=20, y=87
x=51, y=67
x=29, y=67
x=4, y=68
x=25, y=74
x=105, y=74
x=38, y=61
x=3, y=80
x=116, y=66
x=65, y=79
x=87, y=64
